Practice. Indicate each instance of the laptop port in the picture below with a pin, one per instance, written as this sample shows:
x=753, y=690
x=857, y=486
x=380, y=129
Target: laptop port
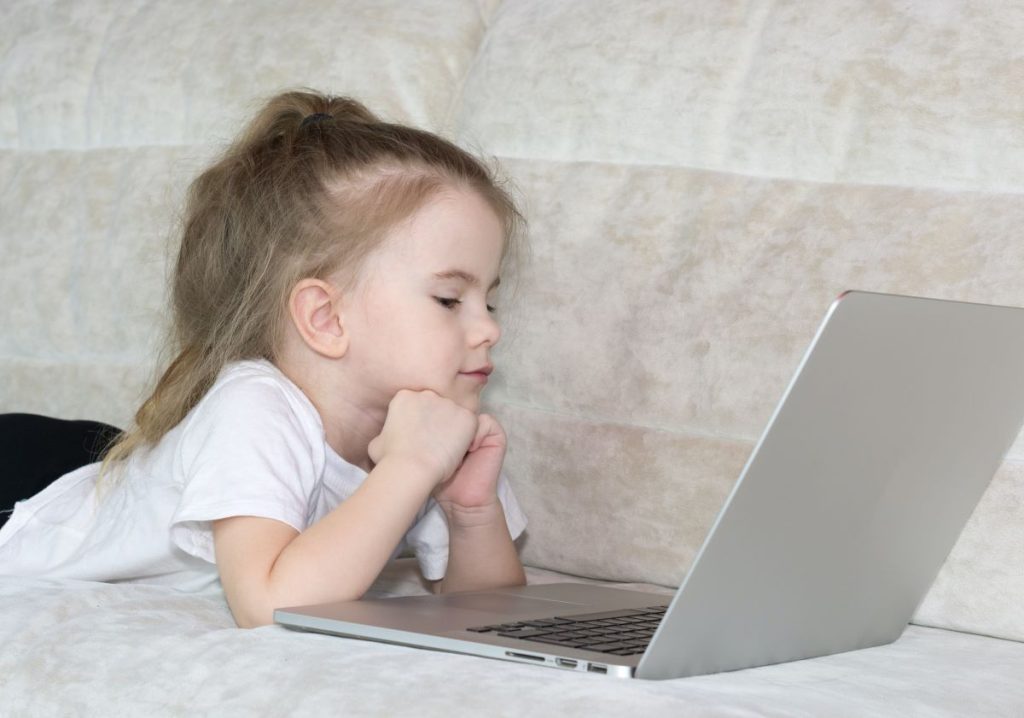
x=513, y=654
x=566, y=662
x=597, y=668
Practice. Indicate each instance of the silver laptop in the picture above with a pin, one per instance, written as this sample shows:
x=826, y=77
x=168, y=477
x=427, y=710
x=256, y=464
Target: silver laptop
x=898, y=416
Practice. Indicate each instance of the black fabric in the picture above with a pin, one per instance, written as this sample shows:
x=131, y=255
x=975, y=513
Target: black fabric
x=36, y=450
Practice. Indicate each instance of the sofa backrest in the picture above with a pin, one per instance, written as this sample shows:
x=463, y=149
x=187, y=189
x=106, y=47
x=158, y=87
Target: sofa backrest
x=701, y=180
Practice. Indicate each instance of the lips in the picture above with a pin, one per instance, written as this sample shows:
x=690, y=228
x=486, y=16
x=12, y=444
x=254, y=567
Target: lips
x=480, y=374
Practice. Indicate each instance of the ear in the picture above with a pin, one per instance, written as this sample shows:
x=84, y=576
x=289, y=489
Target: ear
x=315, y=309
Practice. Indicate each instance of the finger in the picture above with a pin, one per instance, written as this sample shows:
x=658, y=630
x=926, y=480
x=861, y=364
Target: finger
x=481, y=434
x=492, y=425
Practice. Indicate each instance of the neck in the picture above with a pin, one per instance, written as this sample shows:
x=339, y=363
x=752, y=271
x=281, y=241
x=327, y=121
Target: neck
x=351, y=419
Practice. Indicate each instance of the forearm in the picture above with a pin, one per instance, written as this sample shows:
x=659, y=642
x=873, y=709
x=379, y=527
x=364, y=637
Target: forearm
x=481, y=554
x=340, y=556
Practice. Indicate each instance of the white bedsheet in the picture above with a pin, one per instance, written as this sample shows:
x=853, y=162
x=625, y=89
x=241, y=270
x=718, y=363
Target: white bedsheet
x=77, y=648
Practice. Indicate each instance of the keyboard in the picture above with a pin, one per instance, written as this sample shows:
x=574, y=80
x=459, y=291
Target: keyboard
x=620, y=633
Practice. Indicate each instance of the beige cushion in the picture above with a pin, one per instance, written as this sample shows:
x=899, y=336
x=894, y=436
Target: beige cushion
x=701, y=181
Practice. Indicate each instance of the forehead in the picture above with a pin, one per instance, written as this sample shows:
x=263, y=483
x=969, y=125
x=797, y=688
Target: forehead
x=455, y=235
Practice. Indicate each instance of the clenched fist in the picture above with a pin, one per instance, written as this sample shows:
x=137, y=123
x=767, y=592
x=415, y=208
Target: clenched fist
x=474, y=484
x=426, y=428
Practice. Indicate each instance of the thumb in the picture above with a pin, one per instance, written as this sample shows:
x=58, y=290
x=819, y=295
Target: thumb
x=373, y=449
x=482, y=429
x=488, y=432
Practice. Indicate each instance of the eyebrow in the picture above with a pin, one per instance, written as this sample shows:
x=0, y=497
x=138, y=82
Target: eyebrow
x=466, y=277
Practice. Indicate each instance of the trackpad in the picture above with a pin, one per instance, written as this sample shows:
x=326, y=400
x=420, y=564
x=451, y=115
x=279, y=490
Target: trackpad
x=447, y=612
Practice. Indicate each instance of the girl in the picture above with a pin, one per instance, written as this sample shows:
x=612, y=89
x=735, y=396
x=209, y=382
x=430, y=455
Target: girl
x=333, y=329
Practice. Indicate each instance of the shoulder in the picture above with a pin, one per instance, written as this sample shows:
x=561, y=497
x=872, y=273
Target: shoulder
x=257, y=380
x=258, y=389
x=253, y=405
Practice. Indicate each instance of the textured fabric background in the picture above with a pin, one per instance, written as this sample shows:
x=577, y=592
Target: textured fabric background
x=701, y=180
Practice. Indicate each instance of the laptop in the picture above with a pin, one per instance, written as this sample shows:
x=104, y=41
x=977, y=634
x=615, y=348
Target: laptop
x=898, y=416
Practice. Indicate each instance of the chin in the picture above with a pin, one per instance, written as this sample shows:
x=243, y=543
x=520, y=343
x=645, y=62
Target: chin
x=472, y=403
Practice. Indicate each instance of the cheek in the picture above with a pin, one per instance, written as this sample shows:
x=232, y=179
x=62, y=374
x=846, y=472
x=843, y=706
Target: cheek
x=387, y=318
x=409, y=338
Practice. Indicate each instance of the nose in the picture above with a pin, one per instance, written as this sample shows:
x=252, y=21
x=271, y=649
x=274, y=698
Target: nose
x=485, y=331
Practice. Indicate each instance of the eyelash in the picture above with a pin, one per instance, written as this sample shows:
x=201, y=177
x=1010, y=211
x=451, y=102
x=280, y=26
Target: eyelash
x=449, y=303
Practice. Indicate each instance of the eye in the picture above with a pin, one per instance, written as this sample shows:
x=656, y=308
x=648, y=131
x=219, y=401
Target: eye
x=447, y=302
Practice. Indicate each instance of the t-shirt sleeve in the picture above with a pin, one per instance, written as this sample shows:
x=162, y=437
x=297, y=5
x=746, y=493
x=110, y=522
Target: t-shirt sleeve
x=429, y=536
x=247, y=450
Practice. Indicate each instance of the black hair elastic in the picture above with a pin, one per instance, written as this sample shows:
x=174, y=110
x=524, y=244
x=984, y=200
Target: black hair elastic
x=315, y=117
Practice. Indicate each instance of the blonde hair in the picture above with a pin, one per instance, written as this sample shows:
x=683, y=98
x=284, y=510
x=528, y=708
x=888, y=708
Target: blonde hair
x=308, y=189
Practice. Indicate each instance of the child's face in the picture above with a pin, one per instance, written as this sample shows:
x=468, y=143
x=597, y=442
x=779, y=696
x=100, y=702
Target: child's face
x=413, y=327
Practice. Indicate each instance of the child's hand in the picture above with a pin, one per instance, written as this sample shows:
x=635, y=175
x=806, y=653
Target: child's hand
x=426, y=428
x=473, y=486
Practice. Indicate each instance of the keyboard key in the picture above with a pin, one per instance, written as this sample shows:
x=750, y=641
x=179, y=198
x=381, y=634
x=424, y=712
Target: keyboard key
x=577, y=643
x=604, y=614
x=604, y=626
x=527, y=634
x=631, y=636
x=605, y=647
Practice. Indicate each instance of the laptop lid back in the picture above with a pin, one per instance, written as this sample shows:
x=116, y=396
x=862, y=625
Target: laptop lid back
x=895, y=422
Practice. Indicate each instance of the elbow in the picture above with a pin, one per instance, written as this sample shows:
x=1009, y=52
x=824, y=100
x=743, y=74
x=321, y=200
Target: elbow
x=255, y=615
x=252, y=608
x=257, y=622
x=252, y=617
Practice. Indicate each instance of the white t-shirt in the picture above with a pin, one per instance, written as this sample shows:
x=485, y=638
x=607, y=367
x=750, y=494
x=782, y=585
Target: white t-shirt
x=253, y=446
